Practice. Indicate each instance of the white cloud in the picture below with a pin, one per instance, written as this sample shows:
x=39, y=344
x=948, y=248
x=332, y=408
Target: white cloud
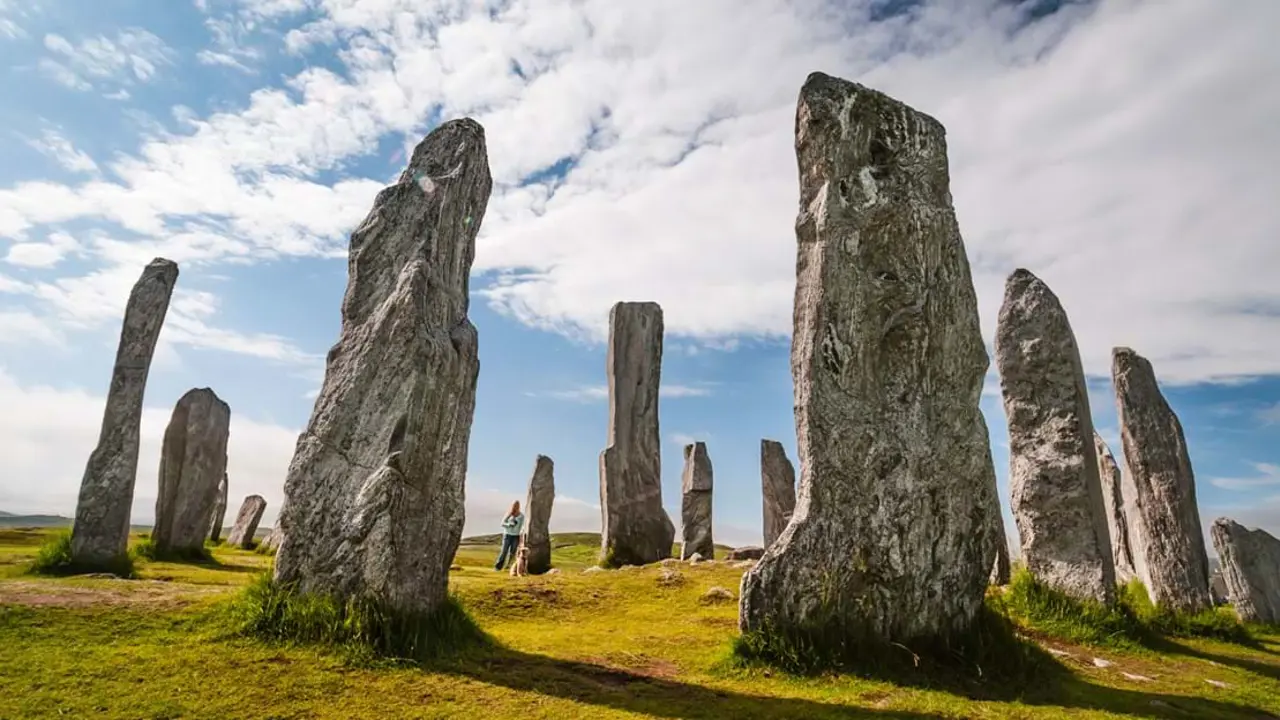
x=600, y=393
x=53, y=144
x=42, y=254
x=133, y=55
x=1268, y=474
x=1270, y=415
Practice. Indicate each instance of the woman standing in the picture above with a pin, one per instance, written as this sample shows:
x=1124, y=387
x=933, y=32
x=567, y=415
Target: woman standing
x=511, y=525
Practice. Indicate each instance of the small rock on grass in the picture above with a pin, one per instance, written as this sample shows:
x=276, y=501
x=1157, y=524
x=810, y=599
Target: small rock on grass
x=1217, y=683
x=1099, y=662
x=1134, y=677
x=593, y=569
x=670, y=577
x=717, y=595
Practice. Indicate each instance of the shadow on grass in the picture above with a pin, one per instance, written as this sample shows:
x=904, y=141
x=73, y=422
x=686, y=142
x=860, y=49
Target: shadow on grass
x=646, y=694
x=664, y=697
x=1173, y=647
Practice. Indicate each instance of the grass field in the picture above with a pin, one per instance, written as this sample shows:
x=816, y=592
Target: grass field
x=613, y=644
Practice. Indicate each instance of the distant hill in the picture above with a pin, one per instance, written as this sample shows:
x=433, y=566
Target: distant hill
x=561, y=540
x=12, y=520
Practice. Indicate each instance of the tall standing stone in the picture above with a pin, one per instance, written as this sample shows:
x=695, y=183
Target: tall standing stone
x=101, y=532
x=536, y=535
x=1053, y=467
x=1000, y=572
x=374, y=495
x=695, y=506
x=1160, y=487
x=778, y=486
x=635, y=528
x=193, y=463
x=892, y=537
x=247, y=522
x=1250, y=569
x=219, y=511
x=1117, y=522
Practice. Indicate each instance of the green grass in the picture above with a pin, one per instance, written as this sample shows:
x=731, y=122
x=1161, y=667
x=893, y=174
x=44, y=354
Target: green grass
x=1132, y=621
x=606, y=645
x=147, y=549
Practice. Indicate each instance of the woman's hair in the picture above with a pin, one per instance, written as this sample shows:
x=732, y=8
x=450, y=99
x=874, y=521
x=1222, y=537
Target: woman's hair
x=515, y=508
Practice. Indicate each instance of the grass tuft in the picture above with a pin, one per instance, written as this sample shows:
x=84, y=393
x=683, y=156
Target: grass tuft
x=54, y=558
x=1132, y=620
x=364, y=628
x=146, y=549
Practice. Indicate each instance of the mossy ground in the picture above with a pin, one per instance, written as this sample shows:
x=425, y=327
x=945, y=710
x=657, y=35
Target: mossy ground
x=615, y=644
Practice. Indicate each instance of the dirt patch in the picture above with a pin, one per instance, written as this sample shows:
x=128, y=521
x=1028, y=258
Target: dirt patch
x=110, y=593
x=525, y=597
x=636, y=665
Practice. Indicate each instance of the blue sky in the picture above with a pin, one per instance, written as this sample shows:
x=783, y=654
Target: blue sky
x=1117, y=149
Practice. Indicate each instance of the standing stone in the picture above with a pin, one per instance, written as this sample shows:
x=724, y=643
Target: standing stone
x=101, y=531
x=1000, y=572
x=536, y=535
x=219, y=511
x=1217, y=585
x=374, y=495
x=1113, y=497
x=892, y=538
x=1160, y=488
x=1053, y=467
x=778, y=483
x=193, y=462
x=695, y=508
x=271, y=542
x=635, y=528
x=1250, y=569
x=247, y=522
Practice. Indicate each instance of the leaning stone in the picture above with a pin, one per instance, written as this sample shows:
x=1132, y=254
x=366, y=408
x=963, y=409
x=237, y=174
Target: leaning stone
x=1117, y=522
x=1000, y=572
x=536, y=535
x=1250, y=569
x=893, y=512
x=247, y=522
x=778, y=484
x=1053, y=467
x=193, y=463
x=635, y=527
x=746, y=552
x=1160, y=487
x=219, y=514
x=695, y=515
x=374, y=496
x=100, y=535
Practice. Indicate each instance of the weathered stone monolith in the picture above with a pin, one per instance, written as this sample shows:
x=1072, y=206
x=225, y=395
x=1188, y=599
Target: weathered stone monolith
x=695, y=509
x=374, y=495
x=892, y=538
x=1250, y=569
x=193, y=462
x=635, y=528
x=1053, y=467
x=101, y=532
x=778, y=484
x=537, y=510
x=247, y=522
x=1160, y=488
x=219, y=511
x=271, y=542
x=1117, y=522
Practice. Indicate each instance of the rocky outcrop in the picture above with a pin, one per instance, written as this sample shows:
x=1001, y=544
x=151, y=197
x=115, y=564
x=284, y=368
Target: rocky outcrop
x=778, y=484
x=635, y=528
x=1113, y=498
x=1250, y=569
x=536, y=535
x=193, y=462
x=247, y=522
x=374, y=495
x=892, y=537
x=1053, y=468
x=746, y=552
x=101, y=531
x=219, y=513
x=1160, y=489
x=695, y=514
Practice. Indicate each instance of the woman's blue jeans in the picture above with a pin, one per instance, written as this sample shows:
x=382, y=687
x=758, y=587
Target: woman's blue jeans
x=509, y=545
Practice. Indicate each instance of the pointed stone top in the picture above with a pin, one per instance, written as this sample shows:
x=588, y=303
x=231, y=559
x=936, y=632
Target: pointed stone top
x=695, y=448
x=163, y=264
x=544, y=460
x=820, y=87
x=697, y=468
x=445, y=149
x=193, y=393
x=1126, y=360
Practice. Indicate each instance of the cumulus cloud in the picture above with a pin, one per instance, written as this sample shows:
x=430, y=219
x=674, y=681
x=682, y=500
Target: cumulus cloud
x=600, y=393
x=58, y=147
